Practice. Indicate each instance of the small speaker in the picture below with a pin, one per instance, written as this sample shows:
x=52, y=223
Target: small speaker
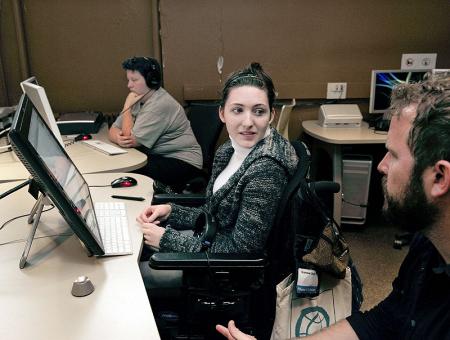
x=82, y=286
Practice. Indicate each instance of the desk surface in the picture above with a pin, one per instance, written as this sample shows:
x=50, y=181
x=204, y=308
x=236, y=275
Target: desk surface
x=339, y=135
x=85, y=158
x=36, y=303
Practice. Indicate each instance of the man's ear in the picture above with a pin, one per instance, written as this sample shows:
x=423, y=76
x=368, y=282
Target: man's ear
x=441, y=183
x=221, y=114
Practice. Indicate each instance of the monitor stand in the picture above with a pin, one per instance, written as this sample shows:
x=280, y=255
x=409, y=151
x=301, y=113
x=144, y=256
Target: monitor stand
x=35, y=216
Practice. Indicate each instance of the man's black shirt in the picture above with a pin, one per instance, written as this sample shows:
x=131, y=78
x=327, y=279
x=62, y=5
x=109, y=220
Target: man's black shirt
x=419, y=304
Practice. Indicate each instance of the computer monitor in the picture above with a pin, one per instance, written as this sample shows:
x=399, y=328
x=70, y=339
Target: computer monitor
x=54, y=172
x=440, y=72
x=383, y=81
x=31, y=80
x=39, y=98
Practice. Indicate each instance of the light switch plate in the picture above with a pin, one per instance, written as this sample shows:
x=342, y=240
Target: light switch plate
x=336, y=90
x=419, y=61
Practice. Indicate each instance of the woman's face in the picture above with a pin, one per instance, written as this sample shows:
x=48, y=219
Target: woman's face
x=136, y=82
x=246, y=115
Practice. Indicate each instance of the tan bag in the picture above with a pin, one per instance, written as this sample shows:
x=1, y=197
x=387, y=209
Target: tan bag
x=299, y=317
x=331, y=254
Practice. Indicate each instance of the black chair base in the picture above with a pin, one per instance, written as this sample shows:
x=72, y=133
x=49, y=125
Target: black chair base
x=402, y=240
x=199, y=307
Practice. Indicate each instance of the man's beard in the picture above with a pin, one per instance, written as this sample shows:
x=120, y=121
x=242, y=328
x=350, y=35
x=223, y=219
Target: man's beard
x=413, y=212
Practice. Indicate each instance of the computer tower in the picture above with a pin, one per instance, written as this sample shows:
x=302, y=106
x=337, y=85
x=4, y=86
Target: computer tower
x=356, y=171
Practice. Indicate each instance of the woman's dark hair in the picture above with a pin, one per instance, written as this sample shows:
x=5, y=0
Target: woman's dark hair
x=252, y=75
x=148, y=67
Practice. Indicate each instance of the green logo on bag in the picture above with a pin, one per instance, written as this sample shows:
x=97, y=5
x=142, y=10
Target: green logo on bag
x=311, y=320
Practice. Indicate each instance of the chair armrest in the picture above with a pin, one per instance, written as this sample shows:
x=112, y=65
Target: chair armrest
x=201, y=261
x=190, y=200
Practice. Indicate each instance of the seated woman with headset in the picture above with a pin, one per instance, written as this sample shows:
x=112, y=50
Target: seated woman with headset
x=154, y=122
x=249, y=174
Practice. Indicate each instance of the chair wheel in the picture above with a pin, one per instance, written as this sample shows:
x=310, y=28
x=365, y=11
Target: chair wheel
x=398, y=244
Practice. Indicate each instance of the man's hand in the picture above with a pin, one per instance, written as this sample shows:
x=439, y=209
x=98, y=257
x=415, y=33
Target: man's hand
x=232, y=332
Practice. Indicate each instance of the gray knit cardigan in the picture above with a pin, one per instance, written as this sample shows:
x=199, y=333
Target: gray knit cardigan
x=244, y=207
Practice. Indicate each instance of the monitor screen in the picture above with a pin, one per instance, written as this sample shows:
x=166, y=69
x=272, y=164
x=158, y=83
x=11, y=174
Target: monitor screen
x=55, y=173
x=39, y=98
x=383, y=81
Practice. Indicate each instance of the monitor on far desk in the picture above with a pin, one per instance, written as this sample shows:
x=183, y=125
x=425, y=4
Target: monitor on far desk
x=382, y=83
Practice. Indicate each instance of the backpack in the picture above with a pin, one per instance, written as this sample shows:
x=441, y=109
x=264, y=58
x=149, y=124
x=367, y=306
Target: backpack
x=305, y=234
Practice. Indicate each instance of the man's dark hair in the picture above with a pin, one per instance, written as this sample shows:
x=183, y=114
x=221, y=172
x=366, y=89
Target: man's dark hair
x=252, y=75
x=148, y=67
x=429, y=137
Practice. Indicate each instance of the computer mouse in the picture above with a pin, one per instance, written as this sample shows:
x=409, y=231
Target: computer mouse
x=124, y=182
x=83, y=136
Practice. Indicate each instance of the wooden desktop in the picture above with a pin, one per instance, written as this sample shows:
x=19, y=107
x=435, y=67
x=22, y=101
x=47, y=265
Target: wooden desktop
x=36, y=302
x=85, y=158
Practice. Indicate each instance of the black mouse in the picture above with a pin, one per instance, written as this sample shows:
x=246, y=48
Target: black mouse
x=83, y=136
x=124, y=182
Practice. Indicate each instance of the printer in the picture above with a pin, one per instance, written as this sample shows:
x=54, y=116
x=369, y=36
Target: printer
x=340, y=115
x=79, y=122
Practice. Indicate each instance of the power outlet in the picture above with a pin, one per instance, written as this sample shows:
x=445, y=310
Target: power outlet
x=336, y=90
x=419, y=61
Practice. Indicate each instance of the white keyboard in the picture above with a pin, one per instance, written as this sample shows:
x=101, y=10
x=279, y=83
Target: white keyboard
x=104, y=147
x=113, y=224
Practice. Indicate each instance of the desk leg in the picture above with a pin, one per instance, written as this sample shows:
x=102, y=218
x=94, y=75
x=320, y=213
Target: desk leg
x=335, y=153
x=337, y=177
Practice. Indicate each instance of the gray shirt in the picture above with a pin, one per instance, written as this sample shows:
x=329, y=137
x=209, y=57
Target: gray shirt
x=161, y=125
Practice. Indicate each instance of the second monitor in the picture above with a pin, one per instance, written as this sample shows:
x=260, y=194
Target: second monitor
x=39, y=98
x=382, y=83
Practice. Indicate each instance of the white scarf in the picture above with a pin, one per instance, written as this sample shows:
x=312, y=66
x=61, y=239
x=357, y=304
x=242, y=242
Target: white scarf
x=236, y=160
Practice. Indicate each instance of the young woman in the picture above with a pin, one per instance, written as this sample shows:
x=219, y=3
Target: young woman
x=155, y=123
x=249, y=174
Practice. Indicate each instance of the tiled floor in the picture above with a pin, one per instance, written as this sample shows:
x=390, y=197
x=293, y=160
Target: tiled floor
x=377, y=261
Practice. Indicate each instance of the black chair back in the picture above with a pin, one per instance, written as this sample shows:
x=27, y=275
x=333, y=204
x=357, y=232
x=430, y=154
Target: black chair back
x=207, y=126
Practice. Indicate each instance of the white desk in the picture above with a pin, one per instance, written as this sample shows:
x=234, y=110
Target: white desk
x=332, y=140
x=85, y=158
x=36, y=303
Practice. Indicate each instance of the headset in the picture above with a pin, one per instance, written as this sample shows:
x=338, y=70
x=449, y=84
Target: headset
x=153, y=78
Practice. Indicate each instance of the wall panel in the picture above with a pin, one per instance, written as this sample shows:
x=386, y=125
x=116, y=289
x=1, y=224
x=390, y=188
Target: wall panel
x=302, y=44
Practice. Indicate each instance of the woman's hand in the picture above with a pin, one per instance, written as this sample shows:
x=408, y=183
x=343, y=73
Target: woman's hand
x=233, y=333
x=127, y=119
x=131, y=99
x=152, y=233
x=126, y=141
x=149, y=220
x=154, y=213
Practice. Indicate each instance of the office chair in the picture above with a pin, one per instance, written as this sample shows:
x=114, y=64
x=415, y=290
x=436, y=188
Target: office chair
x=206, y=126
x=283, y=121
x=220, y=287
